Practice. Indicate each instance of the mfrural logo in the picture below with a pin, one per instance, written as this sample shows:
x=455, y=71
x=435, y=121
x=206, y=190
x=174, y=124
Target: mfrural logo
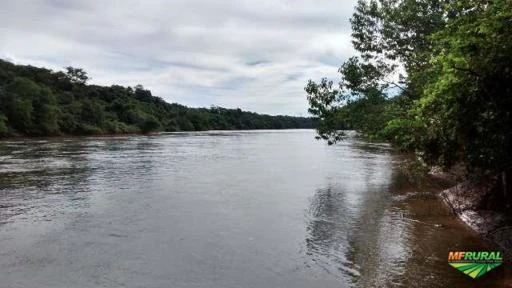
x=475, y=264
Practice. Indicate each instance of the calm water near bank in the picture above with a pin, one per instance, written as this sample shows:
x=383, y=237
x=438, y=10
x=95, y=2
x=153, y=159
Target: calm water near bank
x=221, y=209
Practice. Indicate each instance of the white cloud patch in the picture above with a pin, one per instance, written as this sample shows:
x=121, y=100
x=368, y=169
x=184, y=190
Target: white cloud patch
x=256, y=55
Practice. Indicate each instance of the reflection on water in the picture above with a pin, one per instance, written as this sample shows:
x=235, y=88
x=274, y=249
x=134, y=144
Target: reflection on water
x=326, y=239
x=386, y=232
x=221, y=209
x=354, y=231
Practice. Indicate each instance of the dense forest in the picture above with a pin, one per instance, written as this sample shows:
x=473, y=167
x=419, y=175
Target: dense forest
x=431, y=76
x=39, y=102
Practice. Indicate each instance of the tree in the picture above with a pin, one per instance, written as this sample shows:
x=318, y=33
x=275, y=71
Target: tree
x=92, y=113
x=3, y=125
x=469, y=92
x=142, y=94
x=149, y=124
x=453, y=102
x=77, y=75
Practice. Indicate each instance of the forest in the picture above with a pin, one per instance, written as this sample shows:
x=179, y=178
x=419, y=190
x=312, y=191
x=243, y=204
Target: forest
x=431, y=76
x=41, y=102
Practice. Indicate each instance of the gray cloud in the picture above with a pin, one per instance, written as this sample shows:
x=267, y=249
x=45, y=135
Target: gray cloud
x=256, y=55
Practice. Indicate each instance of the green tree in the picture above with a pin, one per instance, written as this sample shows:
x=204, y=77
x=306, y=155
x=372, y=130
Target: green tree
x=77, y=75
x=453, y=101
x=150, y=123
x=17, y=103
x=468, y=97
x=3, y=126
x=92, y=113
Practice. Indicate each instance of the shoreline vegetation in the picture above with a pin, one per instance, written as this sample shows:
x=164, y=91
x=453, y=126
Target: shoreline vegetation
x=38, y=102
x=434, y=79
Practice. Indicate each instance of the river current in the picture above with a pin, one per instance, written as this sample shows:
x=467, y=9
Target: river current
x=221, y=209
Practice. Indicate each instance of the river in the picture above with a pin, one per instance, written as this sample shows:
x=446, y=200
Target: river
x=221, y=209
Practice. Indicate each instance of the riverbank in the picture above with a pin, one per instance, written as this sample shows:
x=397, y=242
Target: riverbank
x=116, y=135
x=480, y=204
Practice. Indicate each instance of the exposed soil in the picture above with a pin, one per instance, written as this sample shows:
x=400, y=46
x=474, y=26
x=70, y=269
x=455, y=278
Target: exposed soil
x=482, y=205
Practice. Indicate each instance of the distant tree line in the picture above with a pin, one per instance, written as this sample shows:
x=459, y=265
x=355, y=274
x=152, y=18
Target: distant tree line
x=39, y=102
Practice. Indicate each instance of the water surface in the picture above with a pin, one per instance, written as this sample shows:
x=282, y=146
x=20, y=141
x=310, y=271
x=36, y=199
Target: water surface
x=220, y=209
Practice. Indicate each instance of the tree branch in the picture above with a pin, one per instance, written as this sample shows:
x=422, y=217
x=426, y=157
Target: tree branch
x=466, y=70
x=394, y=84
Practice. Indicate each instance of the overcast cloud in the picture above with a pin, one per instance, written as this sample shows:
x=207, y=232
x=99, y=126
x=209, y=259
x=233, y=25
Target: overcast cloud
x=256, y=55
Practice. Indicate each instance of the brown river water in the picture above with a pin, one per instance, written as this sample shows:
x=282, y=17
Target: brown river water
x=222, y=209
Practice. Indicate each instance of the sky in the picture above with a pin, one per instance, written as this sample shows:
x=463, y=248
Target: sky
x=255, y=55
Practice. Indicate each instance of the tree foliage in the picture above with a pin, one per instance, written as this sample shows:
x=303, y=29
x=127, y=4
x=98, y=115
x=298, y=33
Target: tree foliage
x=76, y=75
x=38, y=101
x=432, y=76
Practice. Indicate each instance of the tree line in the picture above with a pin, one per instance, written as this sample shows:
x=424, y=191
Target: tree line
x=39, y=102
x=431, y=76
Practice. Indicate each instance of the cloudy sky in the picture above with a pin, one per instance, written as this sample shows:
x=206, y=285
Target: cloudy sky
x=252, y=54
